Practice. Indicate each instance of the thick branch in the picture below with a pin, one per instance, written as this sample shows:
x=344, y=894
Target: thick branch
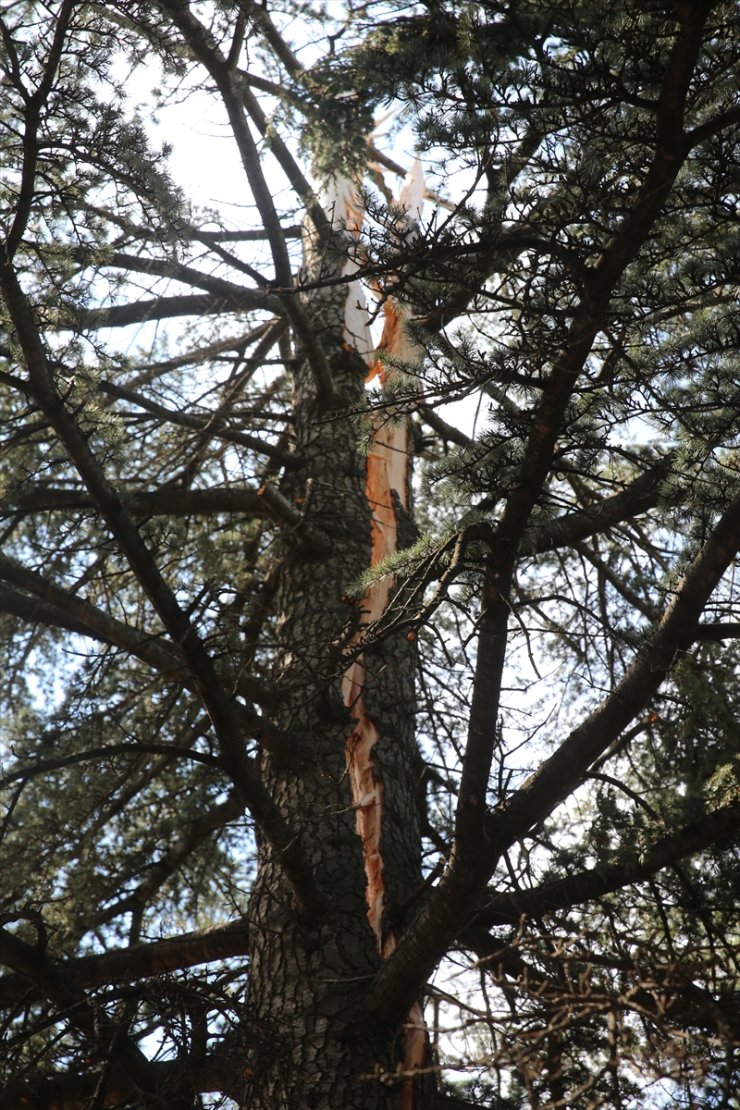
x=638, y=497
x=46, y=603
x=107, y=751
x=167, y=501
x=147, y=234
x=670, y=152
x=35, y=611
x=78, y=1092
x=262, y=21
x=717, y=631
x=447, y=431
x=125, y=965
x=167, y=308
x=503, y=909
x=265, y=503
x=721, y=122
x=166, y=268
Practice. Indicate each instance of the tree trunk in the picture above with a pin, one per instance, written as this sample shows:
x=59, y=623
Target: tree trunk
x=315, y=1045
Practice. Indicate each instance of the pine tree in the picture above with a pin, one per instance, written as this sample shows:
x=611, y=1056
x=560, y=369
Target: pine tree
x=367, y=576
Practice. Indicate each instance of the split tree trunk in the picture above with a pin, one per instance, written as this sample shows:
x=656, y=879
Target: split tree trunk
x=353, y=802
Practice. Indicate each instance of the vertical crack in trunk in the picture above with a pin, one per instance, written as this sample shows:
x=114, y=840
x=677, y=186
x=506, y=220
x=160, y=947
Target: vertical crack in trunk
x=387, y=482
x=387, y=488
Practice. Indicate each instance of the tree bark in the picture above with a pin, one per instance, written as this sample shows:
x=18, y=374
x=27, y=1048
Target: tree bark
x=309, y=978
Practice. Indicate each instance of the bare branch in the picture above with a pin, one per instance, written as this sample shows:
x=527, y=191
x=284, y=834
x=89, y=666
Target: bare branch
x=168, y=268
x=105, y=751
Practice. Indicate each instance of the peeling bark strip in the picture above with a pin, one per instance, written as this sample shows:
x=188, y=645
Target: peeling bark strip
x=387, y=487
x=387, y=480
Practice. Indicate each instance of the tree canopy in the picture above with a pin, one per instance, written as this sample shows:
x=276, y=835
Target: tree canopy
x=368, y=554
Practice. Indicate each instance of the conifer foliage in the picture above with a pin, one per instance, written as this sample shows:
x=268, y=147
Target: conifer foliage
x=368, y=554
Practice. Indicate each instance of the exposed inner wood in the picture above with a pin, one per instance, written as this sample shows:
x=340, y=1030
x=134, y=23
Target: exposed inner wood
x=387, y=486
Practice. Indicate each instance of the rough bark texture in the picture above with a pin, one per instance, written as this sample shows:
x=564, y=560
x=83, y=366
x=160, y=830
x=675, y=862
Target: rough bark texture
x=309, y=979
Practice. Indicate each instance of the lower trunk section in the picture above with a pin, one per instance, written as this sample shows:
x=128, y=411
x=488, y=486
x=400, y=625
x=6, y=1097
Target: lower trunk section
x=308, y=1040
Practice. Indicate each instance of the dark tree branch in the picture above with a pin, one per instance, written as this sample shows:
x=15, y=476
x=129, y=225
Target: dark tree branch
x=168, y=268
x=36, y=611
x=126, y=1063
x=126, y=965
x=262, y=20
x=213, y=424
x=447, y=431
x=717, y=631
x=166, y=501
x=670, y=153
x=141, y=233
x=168, y=308
x=105, y=751
x=586, y=886
x=53, y=605
x=638, y=497
x=78, y=1092
x=722, y=122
